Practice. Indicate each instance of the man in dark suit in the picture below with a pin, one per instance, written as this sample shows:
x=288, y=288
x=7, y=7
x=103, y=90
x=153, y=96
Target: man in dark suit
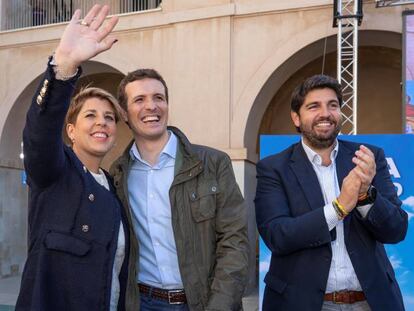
x=324, y=208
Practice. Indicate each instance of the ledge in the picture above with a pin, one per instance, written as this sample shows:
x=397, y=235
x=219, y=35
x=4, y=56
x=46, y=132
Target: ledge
x=158, y=18
x=11, y=164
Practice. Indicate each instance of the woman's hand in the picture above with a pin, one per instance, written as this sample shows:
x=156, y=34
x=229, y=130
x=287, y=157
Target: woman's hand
x=84, y=39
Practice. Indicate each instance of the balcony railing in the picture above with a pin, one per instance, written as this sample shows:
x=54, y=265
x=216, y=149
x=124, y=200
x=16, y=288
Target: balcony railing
x=17, y=14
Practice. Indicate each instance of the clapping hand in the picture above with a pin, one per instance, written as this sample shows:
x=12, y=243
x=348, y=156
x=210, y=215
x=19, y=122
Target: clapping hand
x=84, y=39
x=365, y=167
x=359, y=178
x=351, y=186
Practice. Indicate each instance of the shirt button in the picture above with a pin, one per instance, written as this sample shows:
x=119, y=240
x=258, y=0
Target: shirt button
x=151, y=196
x=214, y=189
x=91, y=197
x=85, y=228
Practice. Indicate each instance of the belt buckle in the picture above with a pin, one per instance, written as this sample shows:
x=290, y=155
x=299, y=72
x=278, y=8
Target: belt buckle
x=174, y=291
x=334, y=296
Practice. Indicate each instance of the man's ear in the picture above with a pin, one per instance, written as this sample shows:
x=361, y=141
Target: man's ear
x=295, y=118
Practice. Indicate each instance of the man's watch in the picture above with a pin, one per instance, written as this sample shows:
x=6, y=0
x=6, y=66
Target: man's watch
x=370, y=197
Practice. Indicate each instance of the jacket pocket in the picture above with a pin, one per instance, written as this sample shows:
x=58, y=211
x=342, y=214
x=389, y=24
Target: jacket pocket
x=66, y=243
x=275, y=283
x=203, y=202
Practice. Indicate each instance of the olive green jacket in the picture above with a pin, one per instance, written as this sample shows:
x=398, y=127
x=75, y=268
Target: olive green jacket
x=209, y=220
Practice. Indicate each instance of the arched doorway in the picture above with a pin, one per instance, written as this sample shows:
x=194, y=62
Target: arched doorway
x=379, y=92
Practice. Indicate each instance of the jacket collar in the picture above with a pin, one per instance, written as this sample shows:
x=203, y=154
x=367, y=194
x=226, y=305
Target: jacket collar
x=308, y=180
x=121, y=164
x=306, y=176
x=344, y=159
x=186, y=161
x=343, y=167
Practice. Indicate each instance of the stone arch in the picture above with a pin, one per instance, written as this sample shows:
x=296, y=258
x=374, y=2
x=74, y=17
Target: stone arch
x=267, y=81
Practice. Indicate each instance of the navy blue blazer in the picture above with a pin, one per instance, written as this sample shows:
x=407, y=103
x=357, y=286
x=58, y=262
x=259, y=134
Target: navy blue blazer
x=73, y=220
x=291, y=222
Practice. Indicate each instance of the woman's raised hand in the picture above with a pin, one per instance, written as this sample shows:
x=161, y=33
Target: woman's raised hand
x=85, y=38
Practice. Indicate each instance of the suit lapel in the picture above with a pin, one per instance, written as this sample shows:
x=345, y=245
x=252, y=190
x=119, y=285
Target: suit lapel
x=344, y=162
x=344, y=165
x=306, y=176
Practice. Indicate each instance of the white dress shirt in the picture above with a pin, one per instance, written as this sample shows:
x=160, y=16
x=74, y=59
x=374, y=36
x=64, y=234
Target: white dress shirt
x=148, y=189
x=341, y=273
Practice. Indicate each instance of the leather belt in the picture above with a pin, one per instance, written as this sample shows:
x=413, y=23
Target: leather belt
x=345, y=296
x=172, y=296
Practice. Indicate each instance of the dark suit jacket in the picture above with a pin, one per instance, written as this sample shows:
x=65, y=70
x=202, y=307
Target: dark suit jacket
x=73, y=221
x=291, y=221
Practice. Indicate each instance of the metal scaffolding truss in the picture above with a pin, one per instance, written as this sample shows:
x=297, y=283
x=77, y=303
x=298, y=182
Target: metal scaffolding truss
x=347, y=17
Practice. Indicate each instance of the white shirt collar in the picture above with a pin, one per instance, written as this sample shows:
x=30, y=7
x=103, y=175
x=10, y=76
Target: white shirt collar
x=169, y=149
x=314, y=157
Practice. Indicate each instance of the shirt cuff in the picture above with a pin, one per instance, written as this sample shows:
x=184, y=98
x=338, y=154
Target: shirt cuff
x=331, y=216
x=364, y=209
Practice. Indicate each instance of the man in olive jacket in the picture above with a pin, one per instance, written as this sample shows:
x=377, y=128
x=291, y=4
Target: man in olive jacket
x=189, y=217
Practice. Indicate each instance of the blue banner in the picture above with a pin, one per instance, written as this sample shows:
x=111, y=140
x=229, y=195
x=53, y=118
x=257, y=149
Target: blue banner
x=399, y=151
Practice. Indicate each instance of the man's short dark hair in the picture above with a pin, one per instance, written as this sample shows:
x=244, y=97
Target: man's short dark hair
x=310, y=84
x=139, y=74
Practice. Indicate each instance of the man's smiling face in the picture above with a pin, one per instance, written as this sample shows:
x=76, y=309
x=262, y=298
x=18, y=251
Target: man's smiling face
x=147, y=109
x=319, y=118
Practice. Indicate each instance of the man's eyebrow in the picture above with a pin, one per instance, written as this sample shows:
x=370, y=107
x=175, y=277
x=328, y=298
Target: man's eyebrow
x=312, y=103
x=137, y=96
x=159, y=94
